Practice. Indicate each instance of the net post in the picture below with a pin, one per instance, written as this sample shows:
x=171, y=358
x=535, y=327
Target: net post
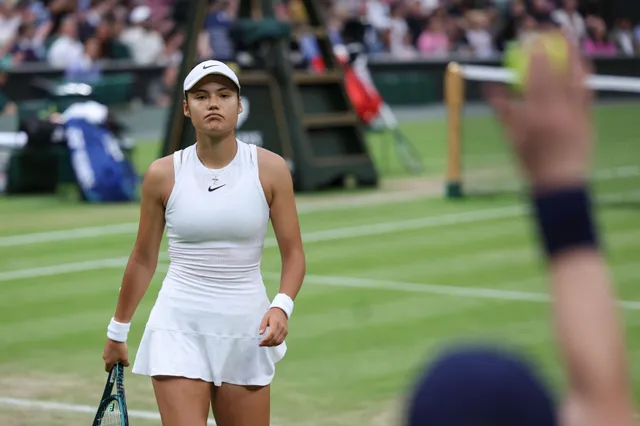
x=454, y=98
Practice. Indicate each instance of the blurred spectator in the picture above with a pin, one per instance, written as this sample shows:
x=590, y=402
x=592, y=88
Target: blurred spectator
x=597, y=43
x=417, y=20
x=172, y=54
x=10, y=20
x=541, y=10
x=30, y=43
x=622, y=36
x=514, y=17
x=434, y=40
x=478, y=34
x=458, y=39
x=217, y=24
x=6, y=106
x=398, y=36
x=108, y=34
x=144, y=42
x=570, y=20
x=81, y=36
x=66, y=49
x=161, y=90
x=86, y=68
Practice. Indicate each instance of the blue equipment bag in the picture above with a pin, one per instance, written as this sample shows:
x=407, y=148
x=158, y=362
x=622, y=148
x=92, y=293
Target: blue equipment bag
x=102, y=171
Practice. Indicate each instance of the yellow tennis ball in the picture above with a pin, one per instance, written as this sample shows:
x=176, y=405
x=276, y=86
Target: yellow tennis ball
x=517, y=56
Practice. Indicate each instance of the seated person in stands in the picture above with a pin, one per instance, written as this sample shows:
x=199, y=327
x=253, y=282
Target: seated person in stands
x=6, y=106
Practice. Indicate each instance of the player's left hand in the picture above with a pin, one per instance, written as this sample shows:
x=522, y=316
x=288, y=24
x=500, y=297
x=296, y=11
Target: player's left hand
x=549, y=125
x=276, y=320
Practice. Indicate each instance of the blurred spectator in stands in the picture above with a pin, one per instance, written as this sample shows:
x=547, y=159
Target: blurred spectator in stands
x=597, y=43
x=622, y=36
x=337, y=19
x=30, y=43
x=66, y=48
x=161, y=16
x=478, y=33
x=416, y=18
x=433, y=41
x=541, y=11
x=172, y=53
x=110, y=45
x=457, y=8
x=89, y=14
x=528, y=27
x=218, y=23
x=377, y=14
x=515, y=14
x=86, y=69
x=570, y=20
x=6, y=105
x=295, y=10
x=10, y=20
x=398, y=36
x=160, y=91
x=58, y=11
x=144, y=42
x=458, y=42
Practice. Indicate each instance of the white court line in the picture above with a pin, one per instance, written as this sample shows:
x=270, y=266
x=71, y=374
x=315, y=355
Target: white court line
x=68, y=234
x=74, y=408
x=446, y=290
x=64, y=268
x=309, y=237
x=132, y=227
x=77, y=408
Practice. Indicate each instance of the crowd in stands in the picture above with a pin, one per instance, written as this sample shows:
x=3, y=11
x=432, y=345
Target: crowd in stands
x=80, y=35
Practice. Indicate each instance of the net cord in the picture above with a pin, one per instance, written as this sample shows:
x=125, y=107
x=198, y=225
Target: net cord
x=595, y=82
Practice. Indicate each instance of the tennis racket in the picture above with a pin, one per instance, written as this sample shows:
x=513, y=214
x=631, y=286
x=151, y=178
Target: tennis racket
x=112, y=410
x=407, y=153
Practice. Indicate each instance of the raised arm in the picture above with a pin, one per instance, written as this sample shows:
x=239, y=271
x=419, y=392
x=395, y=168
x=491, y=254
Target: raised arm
x=552, y=138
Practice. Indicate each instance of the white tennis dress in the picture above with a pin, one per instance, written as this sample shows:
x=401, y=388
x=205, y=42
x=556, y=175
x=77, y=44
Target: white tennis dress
x=205, y=322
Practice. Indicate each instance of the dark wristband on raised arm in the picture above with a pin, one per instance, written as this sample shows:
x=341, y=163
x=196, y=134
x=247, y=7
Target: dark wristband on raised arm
x=565, y=219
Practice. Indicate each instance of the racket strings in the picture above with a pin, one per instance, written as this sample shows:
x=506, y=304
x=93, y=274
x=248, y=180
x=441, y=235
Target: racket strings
x=111, y=416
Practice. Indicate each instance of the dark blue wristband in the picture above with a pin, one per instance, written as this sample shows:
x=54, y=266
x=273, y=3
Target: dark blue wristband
x=565, y=219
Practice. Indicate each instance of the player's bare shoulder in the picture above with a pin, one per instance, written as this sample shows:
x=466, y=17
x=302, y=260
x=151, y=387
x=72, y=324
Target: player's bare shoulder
x=274, y=172
x=271, y=163
x=159, y=179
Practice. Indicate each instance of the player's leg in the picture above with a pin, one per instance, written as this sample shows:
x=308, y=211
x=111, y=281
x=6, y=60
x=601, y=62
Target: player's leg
x=235, y=405
x=486, y=386
x=181, y=401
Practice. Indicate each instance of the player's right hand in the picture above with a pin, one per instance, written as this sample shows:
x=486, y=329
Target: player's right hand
x=115, y=352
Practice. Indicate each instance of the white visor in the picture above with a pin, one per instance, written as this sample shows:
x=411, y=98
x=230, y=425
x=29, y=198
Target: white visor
x=209, y=68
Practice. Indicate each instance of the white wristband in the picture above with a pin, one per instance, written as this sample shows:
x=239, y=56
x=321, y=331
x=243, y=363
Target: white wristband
x=283, y=302
x=118, y=331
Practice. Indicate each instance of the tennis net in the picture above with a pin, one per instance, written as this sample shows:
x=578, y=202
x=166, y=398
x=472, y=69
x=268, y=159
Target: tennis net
x=480, y=163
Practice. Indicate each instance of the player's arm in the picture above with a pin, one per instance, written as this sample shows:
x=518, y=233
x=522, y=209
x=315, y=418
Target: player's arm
x=590, y=338
x=551, y=130
x=284, y=218
x=144, y=256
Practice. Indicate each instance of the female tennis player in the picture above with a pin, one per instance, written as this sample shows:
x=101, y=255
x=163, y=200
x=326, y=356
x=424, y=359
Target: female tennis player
x=213, y=337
